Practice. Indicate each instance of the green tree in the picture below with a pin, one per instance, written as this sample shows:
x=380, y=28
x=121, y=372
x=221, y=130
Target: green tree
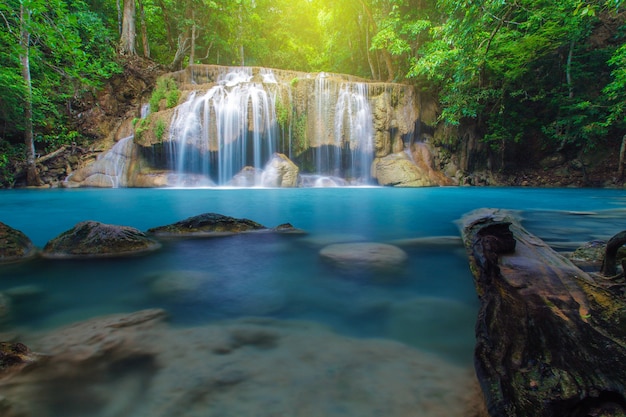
x=57, y=48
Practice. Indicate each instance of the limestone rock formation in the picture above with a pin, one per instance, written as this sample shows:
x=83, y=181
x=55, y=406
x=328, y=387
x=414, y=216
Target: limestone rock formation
x=95, y=239
x=14, y=245
x=280, y=171
x=551, y=339
x=328, y=125
x=399, y=170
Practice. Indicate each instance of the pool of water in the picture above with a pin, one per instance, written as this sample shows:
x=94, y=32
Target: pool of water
x=282, y=275
x=429, y=304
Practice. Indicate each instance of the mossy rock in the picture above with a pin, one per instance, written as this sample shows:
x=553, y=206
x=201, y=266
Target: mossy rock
x=14, y=245
x=95, y=239
x=207, y=224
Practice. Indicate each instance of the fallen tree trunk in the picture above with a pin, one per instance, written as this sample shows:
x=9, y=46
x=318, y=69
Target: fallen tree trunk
x=550, y=339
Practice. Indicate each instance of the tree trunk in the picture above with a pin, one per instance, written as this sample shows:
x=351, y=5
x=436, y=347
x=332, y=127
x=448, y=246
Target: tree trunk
x=192, y=49
x=144, y=31
x=622, y=155
x=385, y=54
x=127, y=40
x=119, y=18
x=568, y=68
x=32, y=175
x=168, y=25
x=550, y=338
x=609, y=264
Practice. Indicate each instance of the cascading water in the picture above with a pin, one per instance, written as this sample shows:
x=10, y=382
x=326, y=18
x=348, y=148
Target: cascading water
x=353, y=124
x=231, y=126
x=233, y=129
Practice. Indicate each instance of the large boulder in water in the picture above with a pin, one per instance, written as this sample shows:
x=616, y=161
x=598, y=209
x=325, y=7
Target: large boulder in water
x=207, y=224
x=399, y=170
x=280, y=171
x=14, y=245
x=95, y=239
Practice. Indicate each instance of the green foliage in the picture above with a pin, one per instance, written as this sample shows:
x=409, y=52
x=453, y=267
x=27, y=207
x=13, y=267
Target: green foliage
x=140, y=127
x=159, y=129
x=10, y=157
x=71, y=52
x=615, y=91
x=299, y=134
x=166, y=89
x=54, y=140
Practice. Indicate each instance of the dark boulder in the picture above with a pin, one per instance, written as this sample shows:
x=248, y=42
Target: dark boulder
x=207, y=224
x=14, y=245
x=95, y=239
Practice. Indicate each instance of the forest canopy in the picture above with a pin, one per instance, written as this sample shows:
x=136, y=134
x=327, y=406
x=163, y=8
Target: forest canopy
x=518, y=70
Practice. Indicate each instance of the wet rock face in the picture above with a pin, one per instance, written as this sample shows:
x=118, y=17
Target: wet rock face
x=398, y=170
x=207, y=224
x=281, y=172
x=14, y=245
x=95, y=239
x=14, y=356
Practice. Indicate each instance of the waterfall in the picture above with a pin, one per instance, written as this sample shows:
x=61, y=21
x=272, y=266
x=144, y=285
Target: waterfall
x=343, y=130
x=218, y=133
x=328, y=145
x=353, y=124
x=232, y=127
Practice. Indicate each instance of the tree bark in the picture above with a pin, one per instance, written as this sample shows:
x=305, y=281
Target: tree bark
x=32, y=174
x=609, y=264
x=168, y=25
x=144, y=31
x=568, y=68
x=119, y=17
x=550, y=339
x=192, y=49
x=622, y=155
x=385, y=54
x=127, y=39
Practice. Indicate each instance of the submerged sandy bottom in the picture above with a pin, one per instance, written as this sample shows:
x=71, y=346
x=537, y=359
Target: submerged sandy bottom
x=138, y=365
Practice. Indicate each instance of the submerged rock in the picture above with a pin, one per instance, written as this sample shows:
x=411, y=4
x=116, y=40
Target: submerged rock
x=14, y=356
x=364, y=256
x=95, y=239
x=247, y=367
x=181, y=286
x=14, y=245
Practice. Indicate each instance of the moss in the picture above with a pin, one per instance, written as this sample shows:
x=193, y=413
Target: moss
x=159, y=129
x=166, y=89
x=140, y=128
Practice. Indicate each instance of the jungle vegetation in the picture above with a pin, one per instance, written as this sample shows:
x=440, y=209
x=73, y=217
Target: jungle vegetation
x=518, y=70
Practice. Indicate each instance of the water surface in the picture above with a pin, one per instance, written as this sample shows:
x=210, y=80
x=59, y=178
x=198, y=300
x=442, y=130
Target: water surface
x=429, y=304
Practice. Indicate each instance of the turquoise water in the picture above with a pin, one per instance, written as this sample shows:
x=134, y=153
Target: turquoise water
x=430, y=304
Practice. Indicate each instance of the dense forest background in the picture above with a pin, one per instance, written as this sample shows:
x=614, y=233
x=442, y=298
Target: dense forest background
x=543, y=74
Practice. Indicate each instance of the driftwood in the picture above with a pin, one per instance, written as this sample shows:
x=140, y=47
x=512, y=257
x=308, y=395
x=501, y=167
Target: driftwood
x=550, y=339
x=610, y=256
